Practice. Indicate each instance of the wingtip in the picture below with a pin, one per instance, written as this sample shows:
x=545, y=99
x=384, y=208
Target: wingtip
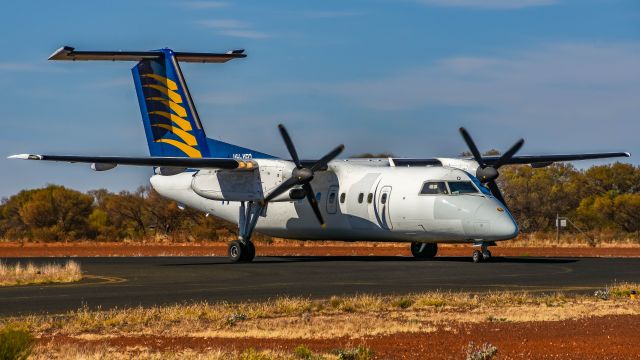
x=324, y=226
x=25, y=157
x=627, y=154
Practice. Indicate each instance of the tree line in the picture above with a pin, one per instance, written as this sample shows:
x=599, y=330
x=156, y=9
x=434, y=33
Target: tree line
x=600, y=198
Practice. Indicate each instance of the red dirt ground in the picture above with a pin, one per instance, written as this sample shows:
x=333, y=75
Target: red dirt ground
x=610, y=337
x=89, y=249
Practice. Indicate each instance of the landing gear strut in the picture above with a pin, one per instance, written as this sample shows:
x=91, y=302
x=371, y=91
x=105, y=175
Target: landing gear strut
x=483, y=254
x=243, y=250
x=423, y=250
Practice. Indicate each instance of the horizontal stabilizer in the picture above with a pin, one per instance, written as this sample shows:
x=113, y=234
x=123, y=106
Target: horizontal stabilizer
x=176, y=162
x=69, y=53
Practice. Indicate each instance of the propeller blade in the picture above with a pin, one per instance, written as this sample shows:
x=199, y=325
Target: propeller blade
x=286, y=185
x=325, y=159
x=311, y=196
x=509, y=154
x=472, y=146
x=496, y=192
x=290, y=147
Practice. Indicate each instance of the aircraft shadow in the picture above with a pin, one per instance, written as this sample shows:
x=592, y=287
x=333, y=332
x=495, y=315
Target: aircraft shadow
x=318, y=259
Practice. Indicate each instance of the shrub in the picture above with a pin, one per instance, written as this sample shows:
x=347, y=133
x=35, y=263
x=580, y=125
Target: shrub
x=303, y=352
x=404, y=303
x=15, y=343
x=359, y=353
x=253, y=354
x=485, y=351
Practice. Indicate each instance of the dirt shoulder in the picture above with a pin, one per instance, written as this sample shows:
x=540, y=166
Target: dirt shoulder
x=433, y=325
x=297, y=248
x=608, y=337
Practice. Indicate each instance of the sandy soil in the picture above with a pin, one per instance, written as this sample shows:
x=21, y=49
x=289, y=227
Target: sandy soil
x=89, y=249
x=609, y=337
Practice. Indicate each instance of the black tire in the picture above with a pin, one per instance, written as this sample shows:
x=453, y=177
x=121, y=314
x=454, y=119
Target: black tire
x=250, y=252
x=477, y=256
x=429, y=250
x=236, y=251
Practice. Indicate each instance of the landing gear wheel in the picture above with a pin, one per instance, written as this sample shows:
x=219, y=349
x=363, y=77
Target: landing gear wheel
x=236, y=251
x=423, y=250
x=486, y=256
x=250, y=252
x=477, y=256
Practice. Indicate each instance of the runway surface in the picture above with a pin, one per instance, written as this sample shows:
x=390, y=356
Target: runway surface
x=122, y=282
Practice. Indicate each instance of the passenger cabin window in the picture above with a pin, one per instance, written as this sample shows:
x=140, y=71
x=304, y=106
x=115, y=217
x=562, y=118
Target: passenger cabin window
x=434, y=188
x=462, y=187
x=383, y=198
x=360, y=198
x=332, y=197
x=318, y=196
x=370, y=198
x=343, y=196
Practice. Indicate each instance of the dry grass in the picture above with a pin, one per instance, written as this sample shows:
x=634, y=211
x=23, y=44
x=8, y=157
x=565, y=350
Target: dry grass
x=76, y=352
x=20, y=274
x=352, y=317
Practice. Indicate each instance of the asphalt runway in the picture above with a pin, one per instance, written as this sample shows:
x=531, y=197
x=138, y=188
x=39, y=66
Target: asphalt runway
x=123, y=282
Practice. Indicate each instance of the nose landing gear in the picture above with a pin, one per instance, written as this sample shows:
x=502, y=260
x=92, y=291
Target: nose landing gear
x=483, y=254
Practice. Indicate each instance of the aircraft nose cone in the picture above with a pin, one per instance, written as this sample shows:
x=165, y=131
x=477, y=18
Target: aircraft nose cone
x=504, y=227
x=499, y=223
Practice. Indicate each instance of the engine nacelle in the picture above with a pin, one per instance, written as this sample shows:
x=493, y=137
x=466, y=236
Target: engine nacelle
x=234, y=185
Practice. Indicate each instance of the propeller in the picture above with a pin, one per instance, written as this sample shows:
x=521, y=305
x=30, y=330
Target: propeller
x=302, y=176
x=487, y=174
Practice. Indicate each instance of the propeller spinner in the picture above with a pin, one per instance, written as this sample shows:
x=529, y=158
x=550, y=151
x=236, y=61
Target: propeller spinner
x=487, y=174
x=302, y=176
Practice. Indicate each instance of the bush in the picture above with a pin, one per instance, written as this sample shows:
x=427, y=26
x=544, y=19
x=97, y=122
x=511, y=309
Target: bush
x=404, y=303
x=485, y=351
x=15, y=343
x=359, y=353
x=303, y=352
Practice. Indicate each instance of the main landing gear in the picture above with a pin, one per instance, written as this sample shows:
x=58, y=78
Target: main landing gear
x=243, y=250
x=424, y=250
x=483, y=254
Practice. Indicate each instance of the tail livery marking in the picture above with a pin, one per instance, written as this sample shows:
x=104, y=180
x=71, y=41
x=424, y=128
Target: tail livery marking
x=170, y=124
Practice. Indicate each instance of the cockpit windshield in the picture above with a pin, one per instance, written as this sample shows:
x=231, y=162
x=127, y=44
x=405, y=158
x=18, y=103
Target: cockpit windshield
x=462, y=187
x=453, y=187
x=478, y=184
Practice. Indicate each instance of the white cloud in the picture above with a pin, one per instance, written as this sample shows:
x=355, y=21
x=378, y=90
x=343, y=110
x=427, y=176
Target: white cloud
x=206, y=4
x=223, y=24
x=247, y=34
x=233, y=28
x=578, y=90
x=331, y=14
x=489, y=4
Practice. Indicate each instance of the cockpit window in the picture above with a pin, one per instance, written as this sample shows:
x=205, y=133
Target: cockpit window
x=434, y=188
x=479, y=185
x=462, y=187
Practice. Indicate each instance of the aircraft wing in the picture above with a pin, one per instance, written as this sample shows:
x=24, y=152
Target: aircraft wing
x=109, y=162
x=548, y=159
x=539, y=160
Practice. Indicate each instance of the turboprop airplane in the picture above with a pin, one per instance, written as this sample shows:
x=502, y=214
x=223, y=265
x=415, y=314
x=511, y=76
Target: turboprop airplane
x=420, y=201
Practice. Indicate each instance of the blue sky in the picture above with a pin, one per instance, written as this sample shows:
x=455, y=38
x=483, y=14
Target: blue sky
x=398, y=76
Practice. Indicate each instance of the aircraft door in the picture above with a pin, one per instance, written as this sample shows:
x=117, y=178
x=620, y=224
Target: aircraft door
x=383, y=208
x=332, y=200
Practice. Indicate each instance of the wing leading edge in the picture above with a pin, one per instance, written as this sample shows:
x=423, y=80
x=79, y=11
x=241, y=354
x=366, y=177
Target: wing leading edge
x=540, y=160
x=177, y=162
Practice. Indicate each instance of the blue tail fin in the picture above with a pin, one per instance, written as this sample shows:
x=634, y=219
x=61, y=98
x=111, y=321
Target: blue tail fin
x=170, y=119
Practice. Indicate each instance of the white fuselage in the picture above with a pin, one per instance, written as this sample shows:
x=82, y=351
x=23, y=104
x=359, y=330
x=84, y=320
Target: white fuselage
x=358, y=202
